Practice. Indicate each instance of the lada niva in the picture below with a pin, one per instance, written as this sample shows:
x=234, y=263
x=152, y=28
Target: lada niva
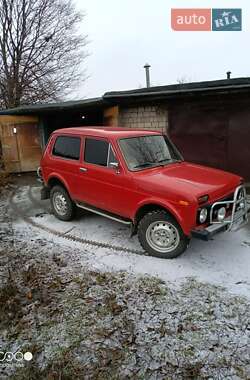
x=139, y=178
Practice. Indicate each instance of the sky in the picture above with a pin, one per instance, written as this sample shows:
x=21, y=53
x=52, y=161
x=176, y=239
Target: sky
x=125, y=34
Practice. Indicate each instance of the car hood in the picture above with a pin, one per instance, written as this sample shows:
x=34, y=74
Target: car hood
x=189, y=180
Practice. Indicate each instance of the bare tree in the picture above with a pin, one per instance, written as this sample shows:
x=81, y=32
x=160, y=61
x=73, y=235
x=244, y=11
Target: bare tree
x=184, y=79
x=41, y=50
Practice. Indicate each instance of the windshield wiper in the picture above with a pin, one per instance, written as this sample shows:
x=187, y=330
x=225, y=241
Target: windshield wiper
x=161, y=162
x=144, y=164
x=168, y=160
x=164, y=159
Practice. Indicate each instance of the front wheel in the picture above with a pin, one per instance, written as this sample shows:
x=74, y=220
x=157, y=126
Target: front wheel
x=161, y=236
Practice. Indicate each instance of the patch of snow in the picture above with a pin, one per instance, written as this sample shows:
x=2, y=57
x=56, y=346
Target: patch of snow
x=224, y=261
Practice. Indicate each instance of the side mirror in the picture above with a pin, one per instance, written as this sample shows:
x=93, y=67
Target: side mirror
x=116, y=166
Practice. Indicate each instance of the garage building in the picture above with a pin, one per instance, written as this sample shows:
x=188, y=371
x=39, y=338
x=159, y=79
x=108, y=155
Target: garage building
x=208, y=121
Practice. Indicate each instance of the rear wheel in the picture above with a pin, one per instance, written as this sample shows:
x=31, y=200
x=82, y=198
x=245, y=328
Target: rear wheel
x=62, y=206
x=161, y=236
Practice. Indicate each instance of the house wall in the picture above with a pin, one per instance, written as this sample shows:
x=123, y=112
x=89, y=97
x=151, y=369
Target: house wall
x=111, y=116
x=213, y=131
x=153, y=117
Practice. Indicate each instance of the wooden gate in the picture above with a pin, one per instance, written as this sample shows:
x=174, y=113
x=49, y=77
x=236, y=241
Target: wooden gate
x=20, y=142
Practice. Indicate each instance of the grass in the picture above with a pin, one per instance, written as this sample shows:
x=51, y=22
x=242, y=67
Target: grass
x=10, y=305
x=79, y=322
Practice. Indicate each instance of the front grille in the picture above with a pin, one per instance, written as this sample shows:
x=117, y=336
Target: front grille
x=232, y=203
x=228, y=206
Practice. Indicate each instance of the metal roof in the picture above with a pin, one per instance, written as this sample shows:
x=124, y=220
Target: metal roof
x=50, y=107
x=175, y=90
x=172, y=91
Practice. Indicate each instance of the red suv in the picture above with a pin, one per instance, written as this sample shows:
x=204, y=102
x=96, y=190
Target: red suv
x=139, y=178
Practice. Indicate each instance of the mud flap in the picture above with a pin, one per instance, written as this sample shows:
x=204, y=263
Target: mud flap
x=132, y=230
x=45, y=193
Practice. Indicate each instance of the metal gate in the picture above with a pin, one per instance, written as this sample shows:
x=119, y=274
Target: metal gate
x=213, y=134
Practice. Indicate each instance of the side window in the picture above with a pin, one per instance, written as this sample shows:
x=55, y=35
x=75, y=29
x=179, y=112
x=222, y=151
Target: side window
x=96, y=151
x=67, y=147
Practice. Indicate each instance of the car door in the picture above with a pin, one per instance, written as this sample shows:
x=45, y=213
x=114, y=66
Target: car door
x=104, y=182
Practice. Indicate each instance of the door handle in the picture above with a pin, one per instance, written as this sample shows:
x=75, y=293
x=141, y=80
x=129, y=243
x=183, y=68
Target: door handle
x=83, y=170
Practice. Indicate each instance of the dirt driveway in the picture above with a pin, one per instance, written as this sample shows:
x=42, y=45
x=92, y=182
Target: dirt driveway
x=224, y=261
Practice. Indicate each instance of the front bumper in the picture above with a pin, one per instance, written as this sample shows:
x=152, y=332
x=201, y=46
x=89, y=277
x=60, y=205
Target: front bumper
x=237, y=219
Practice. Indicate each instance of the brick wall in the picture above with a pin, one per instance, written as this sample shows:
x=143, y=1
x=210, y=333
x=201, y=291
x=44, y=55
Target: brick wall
x=147, y=117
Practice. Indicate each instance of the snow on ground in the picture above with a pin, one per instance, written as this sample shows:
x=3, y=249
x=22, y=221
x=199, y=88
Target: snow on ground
x=84, y=318
x=224, y=261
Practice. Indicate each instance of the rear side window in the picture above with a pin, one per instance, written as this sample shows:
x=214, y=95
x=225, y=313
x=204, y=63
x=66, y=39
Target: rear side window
x=96, y=152
x=67, y=147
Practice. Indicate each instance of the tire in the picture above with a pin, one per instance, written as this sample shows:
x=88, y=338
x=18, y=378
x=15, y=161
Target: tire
x=161, y=236
x=59, y=198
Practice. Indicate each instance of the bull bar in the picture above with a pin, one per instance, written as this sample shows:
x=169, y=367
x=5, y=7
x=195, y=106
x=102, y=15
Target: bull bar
x=233, y=222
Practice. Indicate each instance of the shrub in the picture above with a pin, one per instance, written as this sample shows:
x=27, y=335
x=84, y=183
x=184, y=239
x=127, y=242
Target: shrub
x=4, y=175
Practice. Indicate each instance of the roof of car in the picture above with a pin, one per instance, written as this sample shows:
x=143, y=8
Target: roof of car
x=107, y=132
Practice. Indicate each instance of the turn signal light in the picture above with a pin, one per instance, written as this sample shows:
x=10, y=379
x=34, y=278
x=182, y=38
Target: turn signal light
x=184, y=203
x=203, y=199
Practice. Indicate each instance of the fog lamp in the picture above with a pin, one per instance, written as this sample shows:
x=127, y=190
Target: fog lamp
x=203, y=215
x=221, y=214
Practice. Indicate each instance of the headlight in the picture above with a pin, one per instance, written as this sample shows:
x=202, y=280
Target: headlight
x=203, y=215
x=221, y=214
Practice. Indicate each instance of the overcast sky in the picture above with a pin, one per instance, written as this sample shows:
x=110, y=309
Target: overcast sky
x=125, y=34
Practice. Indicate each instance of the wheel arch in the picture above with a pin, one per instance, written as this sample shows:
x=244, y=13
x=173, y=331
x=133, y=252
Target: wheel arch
x=54, y=180
x=145, y=208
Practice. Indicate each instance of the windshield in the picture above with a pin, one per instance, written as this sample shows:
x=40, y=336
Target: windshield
x=148, y=151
